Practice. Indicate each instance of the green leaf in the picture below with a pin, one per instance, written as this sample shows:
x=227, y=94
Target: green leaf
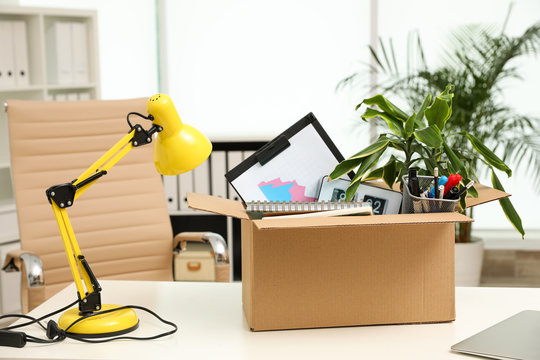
x=441, y=109
x=351, y=190
x=344, y=167
x=385, y=106
x=374, y=175
x=367, y=164
x=430, y=136
x=409, y=126
x=455, y=161
x=420, y=115
x=390, y=172
x=382, y=142
x=508, y=208
x=488, y=155
x=438, y=112
x=395, y=125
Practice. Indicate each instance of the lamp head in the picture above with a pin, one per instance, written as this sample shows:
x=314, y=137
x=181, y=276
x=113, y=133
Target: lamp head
x=178, y=148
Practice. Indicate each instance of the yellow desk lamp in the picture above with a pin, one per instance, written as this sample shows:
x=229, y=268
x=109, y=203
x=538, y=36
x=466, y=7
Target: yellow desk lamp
x=178, y=148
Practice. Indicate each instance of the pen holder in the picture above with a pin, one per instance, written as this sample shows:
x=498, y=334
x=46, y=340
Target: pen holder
x=414, y=204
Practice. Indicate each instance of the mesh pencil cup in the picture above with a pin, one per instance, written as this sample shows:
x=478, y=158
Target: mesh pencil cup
x=414, y=204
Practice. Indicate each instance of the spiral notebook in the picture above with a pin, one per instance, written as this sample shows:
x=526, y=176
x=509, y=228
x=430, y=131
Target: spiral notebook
x=259, y=209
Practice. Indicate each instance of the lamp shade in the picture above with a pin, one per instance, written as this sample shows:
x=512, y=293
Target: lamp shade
x=178, y=148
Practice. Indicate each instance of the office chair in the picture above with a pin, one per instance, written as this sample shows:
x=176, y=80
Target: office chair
x=122, y=224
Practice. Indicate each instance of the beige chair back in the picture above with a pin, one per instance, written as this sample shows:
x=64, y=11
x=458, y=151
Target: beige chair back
x=121, y=222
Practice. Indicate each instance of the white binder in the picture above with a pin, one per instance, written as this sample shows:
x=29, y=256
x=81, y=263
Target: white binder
x=59, y=53
x=201, y=178
x=7, y=63
x=20, y=53
x=72, y=96
x=60, y=97
x=170, y=185
x=79, y=38
x=234, y=158
x=185, y=185
x=217, y=174
x=85, y=95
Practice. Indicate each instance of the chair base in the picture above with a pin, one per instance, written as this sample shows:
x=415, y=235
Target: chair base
x=103, y=325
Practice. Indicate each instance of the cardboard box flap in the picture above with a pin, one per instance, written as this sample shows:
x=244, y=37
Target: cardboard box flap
x=485, y=194
x=217, y=205
x=431, y=218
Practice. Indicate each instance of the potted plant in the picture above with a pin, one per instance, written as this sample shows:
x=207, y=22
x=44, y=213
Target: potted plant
x=423, y=139
x=480, y=62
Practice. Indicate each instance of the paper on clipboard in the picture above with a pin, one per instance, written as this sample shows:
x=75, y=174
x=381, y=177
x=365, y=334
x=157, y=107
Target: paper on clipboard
x=290, y=167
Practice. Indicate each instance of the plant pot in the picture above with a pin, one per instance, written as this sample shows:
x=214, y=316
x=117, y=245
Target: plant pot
x=468, y=258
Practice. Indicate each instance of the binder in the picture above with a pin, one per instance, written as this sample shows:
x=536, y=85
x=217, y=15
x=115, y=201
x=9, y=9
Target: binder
x=201, y=178
x=170, y=186
x=217, y=174
x=85, y=95
x=79, y=47
x=20, y=53
x=234, y=158
x=185, y=185
x=7, y=63
x=60, y=97
x=59, y=54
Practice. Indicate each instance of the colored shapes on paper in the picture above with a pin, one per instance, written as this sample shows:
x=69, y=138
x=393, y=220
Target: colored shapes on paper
x=277, y=190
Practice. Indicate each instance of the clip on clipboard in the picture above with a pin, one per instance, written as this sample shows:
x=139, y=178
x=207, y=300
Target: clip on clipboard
x=288, y=168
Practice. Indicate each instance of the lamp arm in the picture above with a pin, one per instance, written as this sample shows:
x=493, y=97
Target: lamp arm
x=62, y=196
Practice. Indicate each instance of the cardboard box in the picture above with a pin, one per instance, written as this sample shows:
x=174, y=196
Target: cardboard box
x=343, y=271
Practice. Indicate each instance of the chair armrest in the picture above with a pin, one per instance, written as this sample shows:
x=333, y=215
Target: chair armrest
x=219, y=246
x=32, y=265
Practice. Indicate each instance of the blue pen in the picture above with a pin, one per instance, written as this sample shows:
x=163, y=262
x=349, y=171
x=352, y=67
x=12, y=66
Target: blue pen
x=442, y=180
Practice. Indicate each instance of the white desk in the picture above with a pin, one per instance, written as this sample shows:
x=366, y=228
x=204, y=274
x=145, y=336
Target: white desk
x=212, y=325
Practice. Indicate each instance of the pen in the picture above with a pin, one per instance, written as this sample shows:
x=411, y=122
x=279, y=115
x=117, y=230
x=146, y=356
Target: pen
x=436, y=182
x=442, y=181
x=464, y=190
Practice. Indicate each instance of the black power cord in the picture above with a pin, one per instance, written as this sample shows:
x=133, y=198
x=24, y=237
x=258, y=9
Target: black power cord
x=11, y=338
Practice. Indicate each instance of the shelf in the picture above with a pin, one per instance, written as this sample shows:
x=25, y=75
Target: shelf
x=70, y=86
x=22, y=89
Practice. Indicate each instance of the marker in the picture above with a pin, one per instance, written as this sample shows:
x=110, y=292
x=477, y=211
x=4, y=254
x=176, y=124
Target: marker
x=452, y=194
x=414, y=187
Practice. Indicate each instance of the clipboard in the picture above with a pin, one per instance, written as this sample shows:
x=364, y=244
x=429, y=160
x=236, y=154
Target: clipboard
x=288, y=168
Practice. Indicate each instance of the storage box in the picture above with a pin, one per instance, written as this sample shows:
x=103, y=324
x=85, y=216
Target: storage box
x=343, y=271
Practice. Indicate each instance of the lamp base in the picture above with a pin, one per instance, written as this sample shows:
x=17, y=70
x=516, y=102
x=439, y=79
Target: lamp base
x=103, y=325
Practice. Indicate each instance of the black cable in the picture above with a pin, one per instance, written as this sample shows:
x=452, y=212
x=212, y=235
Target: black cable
x=81, y=337
x=23, y=317
x=149, y=117
x=39, y=319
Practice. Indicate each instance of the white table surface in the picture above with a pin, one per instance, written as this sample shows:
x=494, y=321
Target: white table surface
x=212, y=325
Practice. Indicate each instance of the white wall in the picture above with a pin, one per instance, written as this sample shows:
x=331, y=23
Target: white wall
x=127, y=44
x=251, y=68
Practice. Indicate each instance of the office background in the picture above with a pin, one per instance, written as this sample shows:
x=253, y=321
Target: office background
x=249, y=69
